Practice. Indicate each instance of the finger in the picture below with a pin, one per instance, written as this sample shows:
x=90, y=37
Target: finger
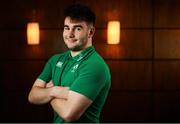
x=50, y=84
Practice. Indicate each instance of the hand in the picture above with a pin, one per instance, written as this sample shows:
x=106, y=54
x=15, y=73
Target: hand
x=60, y=92
x=50, y=84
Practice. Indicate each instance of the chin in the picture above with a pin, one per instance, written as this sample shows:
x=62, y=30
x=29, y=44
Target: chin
x=75, y=49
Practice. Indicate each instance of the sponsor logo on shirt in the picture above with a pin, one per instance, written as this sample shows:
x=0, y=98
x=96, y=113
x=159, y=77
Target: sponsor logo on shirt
x=59, y=64
x=74, y=68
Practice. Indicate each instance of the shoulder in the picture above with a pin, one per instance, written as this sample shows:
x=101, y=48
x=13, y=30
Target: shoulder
x=95, y=60
x=59, y=55
x=56, y=57
x=95, y=63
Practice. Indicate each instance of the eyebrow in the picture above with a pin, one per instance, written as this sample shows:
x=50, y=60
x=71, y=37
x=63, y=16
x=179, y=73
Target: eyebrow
x=75, y=26
x=78, y=26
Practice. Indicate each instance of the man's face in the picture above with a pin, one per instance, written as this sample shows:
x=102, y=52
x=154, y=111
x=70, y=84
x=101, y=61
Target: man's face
x=75, y=34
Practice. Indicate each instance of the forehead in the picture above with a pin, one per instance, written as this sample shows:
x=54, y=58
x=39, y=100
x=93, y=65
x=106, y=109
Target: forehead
x=69, y=21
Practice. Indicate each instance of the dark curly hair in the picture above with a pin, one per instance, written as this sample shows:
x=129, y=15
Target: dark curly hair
x=80, y=12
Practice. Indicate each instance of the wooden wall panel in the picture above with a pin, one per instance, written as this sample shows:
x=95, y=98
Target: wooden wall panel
x=19, y=75
x=167, y=13
x=131, y=13
x=166, y=107
x=13, y=45
x=167, y=44
x=127, y=107
x=131, y=75
x=167, y=76
x=133, y=44
x=16, y=14
x=17, y=109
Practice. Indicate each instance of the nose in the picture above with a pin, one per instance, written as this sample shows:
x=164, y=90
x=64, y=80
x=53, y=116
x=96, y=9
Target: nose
x=71, y=34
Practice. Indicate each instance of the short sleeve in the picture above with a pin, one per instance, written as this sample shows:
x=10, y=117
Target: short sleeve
x=90, y=81
x=46, y=74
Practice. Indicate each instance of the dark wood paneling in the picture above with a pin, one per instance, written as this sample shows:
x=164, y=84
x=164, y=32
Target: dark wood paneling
x=167, y=13
x=17, y=109
x=127, y=107
x=131, y=13
x=131, y=75
x=18, y=12
x=133, y=44
x=166, y=107
x=167, y=75
x=19, y=75
x=167, y=44
x=13, y=45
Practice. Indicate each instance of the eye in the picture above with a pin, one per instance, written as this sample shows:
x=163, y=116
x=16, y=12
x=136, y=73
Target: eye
x=78, y=29
x=66, y=28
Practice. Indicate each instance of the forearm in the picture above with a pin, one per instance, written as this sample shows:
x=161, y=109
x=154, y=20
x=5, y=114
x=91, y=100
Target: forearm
x=44, y=94
x=72, y=108
x=40, y=95
x=61, y=107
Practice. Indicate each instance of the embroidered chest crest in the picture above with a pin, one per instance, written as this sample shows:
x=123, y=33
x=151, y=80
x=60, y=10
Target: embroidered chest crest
x=74, y=68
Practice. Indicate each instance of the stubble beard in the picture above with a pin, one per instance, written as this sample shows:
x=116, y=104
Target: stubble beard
x=78, y=47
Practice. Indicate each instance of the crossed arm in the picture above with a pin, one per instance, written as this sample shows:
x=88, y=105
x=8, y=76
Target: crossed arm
x=68, y=104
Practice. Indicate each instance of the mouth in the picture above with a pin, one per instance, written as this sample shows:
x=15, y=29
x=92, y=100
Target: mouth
x=71, y=40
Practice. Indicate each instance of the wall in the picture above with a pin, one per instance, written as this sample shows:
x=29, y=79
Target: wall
x=145, y=66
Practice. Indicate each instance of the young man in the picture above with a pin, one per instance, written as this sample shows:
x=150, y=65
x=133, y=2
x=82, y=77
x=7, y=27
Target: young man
x=77, y=82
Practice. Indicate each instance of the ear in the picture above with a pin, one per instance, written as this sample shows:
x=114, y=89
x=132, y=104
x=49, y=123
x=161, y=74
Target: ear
x=91, y=32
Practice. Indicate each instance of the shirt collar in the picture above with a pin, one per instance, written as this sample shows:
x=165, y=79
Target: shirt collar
x=82, y=54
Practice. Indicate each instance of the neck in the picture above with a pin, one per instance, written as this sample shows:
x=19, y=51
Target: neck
x=75, y=53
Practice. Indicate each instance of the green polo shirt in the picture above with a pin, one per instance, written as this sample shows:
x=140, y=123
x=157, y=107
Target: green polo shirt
x=87, y=74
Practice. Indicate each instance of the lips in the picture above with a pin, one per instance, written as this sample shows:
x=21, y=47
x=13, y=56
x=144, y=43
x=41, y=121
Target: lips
x=71, y=40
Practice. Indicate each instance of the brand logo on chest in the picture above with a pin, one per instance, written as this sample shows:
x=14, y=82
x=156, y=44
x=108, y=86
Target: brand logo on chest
x=74, y=68
x=59, y=64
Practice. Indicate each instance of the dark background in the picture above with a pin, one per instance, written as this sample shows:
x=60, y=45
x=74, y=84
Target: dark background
x=145, y=66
